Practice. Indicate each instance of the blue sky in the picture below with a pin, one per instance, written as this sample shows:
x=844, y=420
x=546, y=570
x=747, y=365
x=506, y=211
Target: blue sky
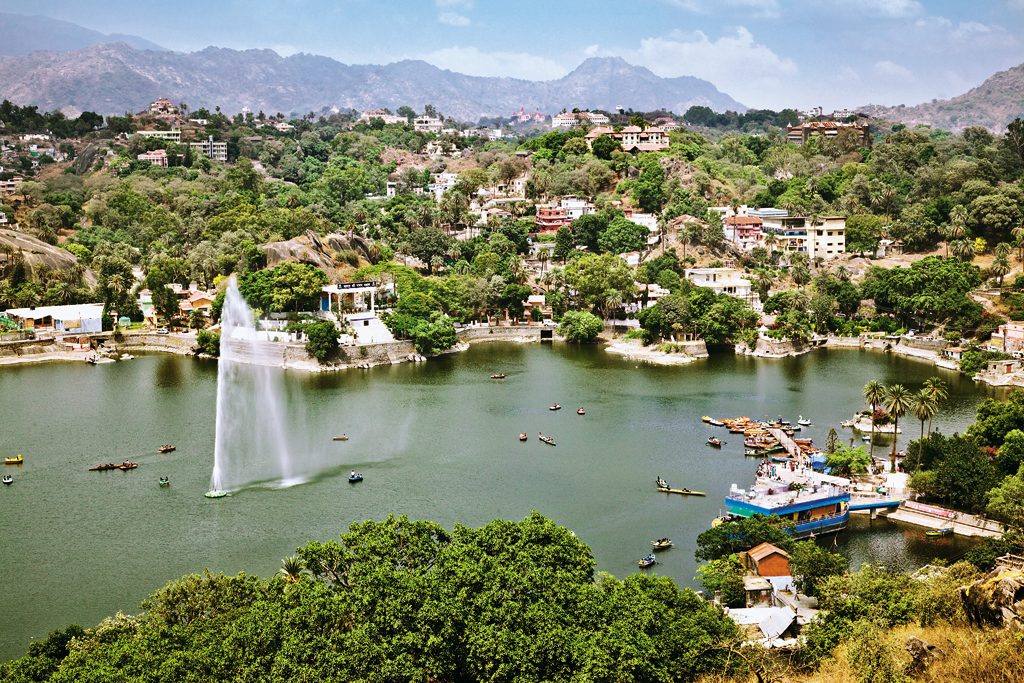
x=765, y=53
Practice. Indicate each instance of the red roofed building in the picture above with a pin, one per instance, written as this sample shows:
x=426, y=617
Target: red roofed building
x=768, y=560
x=551, y=218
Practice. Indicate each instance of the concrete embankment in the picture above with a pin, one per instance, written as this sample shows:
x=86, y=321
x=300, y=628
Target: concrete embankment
x=669, y=353
x=774, y=348
x=922, y=348
x=936, y=517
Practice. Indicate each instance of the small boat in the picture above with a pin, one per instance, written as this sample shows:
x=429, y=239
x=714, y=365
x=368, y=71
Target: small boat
x=662, y=544
x=340, y=437
x=127, y=465
x=714, y=442
x=104, y=467
x=781, y=458
x=716, y=423
x=523, y=437
x=647, y=561
x=580, y=411
x=354, y=477
x=662, y=484
x=92, y=360
x=846, y=423
x=683, y=491
x=215, y=493
x=803, y=421
x=554, y=406
x=164, y=482
x=938, y=533
x=546, y=439
x=866, y=437
x=498, y=375
x=8, y=480
x=167, y=449
x=16, y=460
x=706, y=418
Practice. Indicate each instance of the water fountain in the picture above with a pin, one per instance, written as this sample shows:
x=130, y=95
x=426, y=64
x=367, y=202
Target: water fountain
x=251, y=445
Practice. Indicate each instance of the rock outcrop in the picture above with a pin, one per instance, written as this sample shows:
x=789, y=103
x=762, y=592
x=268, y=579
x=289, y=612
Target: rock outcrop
x=318, y=251
x=997, y=599
x=38, y=255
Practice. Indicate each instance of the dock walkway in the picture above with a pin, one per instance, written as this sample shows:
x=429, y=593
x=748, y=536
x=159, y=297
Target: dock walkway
x=786, y=442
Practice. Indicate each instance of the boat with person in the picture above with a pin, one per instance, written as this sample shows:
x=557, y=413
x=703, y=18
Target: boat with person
x=580, y=411
x=8, y=480
x=127, y=465
x=647, y=561
x=546, y=439
x=683, y=491
x=939, y=533
x=16, y=460
x=169, y=448
x=354, y=477
x=340, y=437
x=498, y=375
x=523, y=436
x=662, y=484
x=803, y=421
x=104, y=467
x=662, y=544
x=706, y=418
x=714, y=442
x=554, y=406
x=215, y=493
x=164, y=482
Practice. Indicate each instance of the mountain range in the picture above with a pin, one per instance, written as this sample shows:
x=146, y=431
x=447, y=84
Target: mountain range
x=21, y=35
x=993, y=104
x=115, y=78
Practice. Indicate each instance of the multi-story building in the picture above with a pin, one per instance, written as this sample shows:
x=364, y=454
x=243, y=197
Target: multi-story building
x=162, y=106
x=743, y=231
x=428, y=124
x=633, y=138
x=173, y=135
x=216, y=151
x=579, y=119
x=1009, y=338
x=157, y=157
x=823, y=238
x=383, y=115
x=827, y=130
x=550, y=218
x=725, y=281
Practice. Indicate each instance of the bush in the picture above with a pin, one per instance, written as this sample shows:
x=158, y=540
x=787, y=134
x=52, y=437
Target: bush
x=580, y=327
x=322, y=339
x=208, y=343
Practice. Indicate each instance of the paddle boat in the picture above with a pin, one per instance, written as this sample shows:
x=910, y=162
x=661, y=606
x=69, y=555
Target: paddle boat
x=8, y=480
x=938, y=533
x=705, y=418
x=341, y=437
x=554, y=406
x=662, y=484
x=215, y=493
x=164, y=482
x=716, y=423
x=523, y=436
x=167, y=449
x=498, y=375
x=16, y=460
x=662, y=544
x=803, y=421
x=714, y=442
x=683, y=491
x=546, y=439
x=846, y=423
x=354, y=477
x=647, y=561
x=127, y=465
x=580, y=411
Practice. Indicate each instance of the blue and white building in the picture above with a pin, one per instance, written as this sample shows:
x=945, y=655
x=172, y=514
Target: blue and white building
x=815, y=503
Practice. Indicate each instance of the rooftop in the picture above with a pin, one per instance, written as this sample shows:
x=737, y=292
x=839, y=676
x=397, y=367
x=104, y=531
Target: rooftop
x=70, y=312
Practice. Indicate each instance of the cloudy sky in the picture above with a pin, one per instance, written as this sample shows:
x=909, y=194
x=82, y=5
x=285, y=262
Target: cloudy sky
x=765, y=53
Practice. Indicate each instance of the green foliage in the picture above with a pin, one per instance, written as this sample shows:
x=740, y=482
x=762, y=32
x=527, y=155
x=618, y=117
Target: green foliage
x=874, y=656
x=402, y=600
x=580, y=327
x=847, y=461
x=288, y=287
x=715, y=318
x=322, y=339
x=952, y=470
x=973, y=361
x=622, y=235
x=208, y=343
x=732, y=537
x=997, y=418
x=812, y=565
x=932, y=290
x=724, y=577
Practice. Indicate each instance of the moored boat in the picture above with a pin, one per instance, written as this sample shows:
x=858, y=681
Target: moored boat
x=803, y=421
x=683, y=491
x=341, y=437
x=546, y=439
x=662, y=544
x=938, y=533
x=8, y=480
x=523, y=436
x=554, y=406
x=714, y=442
x=716, y=423
x=169, y=448
x=16, y=460
x=705, y=418
x=647, y=561
x=164, y=482
x=662, y=484
x=127, y=465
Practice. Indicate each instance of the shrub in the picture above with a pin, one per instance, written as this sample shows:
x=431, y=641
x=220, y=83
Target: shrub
x=580, y=327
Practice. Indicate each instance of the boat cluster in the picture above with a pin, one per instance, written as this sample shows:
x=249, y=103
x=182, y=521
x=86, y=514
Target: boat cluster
x=758, y=437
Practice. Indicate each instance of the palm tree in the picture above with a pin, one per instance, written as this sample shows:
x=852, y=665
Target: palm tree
x=874, y=394
x=897, y=402
x=801, y=275
x=843, y=273
x=957, y=228
x=291, y=569
x=770, y=241
x=543, y=256
x=937, y=388
x=1018, y=236
x=685, y=235
x=1000, y=268
x=924, y=407
x=517, y=269
x=963, y=250
x=1002, y=250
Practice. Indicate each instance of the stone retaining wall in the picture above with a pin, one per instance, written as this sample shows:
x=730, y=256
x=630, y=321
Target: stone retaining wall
x=501, y=333
x=182, y=344
x=28, y=347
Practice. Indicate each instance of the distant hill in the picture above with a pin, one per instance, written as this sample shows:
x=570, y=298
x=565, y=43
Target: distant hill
x=21, y=35
x=116, y=78
x=993, y=104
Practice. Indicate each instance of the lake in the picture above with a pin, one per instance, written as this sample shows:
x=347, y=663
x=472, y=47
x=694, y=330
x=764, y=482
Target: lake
x=437, y=440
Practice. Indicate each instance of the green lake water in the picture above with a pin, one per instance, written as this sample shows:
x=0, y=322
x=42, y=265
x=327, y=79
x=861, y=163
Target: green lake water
x=436, y=440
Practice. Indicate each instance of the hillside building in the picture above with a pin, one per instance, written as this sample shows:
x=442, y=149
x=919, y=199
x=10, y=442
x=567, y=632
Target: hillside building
x=172, y=135
x=827, y=130
x=725, y=281
x=62, y=319
x=633, y=138
x=428, y=124
x=579, y=119
x=215, y=151
x=383, y=115
x=158, y=157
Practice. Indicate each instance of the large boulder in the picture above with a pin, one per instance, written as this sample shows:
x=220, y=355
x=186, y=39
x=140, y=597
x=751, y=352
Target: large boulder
x=315, y=250
x=38, y=255
x=997, y=599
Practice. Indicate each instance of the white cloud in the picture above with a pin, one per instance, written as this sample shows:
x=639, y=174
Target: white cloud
x=592, y=50
x=736, y=63
x=892, y=70
x=476, y=62
x=757, y=9
x=461, y=4
x=453, y=19
x=889, y=9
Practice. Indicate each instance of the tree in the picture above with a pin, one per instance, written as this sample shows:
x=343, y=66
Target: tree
x=321, y=339
x=874, y=395
x=291, y=569
x=1000, y=268
x=924, y=406
x=723, y=579
x=604, y=146
x=897, y=403
x=592, y=275
x=811, y=565
x=426, y=243
x=435, y=334
x=847, y=461
x=622, y=235
x=732, y=537
x=963, y=250
x=580, y=327
x=937, y=388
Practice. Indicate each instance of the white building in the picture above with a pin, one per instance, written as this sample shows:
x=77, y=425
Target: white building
x=216, y=151
x=77, y=318
x=428, y=124
x=383, y=115
x=579, y=120
x=725, y=281
x=576, y=207
x=173, y=135
x=825, y=239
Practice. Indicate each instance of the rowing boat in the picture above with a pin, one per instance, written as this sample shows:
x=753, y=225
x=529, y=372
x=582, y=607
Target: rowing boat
x=682, y=492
